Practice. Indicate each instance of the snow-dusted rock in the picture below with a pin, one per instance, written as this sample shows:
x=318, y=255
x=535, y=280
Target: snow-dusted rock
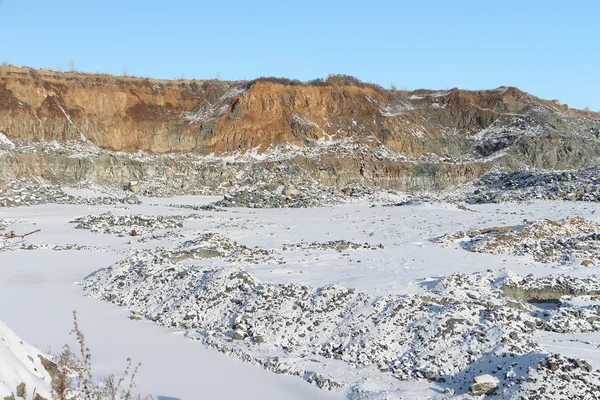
x=484, y=384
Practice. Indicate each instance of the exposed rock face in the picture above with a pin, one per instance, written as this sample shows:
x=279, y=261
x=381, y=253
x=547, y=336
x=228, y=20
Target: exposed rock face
x=340, y=131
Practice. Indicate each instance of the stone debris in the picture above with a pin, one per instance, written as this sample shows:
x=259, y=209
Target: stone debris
x=558, y=377
x=123, y=225
x=337, y=245
x=563, y=242
x=574, y=185
x=17, y=193
x=203, y=207
x=265, y=198
x=21, y=245
x=465, y=325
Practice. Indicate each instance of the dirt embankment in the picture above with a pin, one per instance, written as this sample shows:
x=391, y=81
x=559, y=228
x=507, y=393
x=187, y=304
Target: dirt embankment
x=384, y=138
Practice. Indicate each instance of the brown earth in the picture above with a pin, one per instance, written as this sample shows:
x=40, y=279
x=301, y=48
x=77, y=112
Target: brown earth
x=157, y=116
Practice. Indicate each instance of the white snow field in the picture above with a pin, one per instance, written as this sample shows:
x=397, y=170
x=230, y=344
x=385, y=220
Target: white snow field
x=193, y=346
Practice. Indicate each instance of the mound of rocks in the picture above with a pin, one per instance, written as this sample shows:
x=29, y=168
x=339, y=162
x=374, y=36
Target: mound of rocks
x=195, y=207
x=468, y=325
x=547, y=241
x=558, y=377
x=27, y=193
x=576, y=185
x=337, y=245
x=216, y=245
x=282, y=197
x=124, y=225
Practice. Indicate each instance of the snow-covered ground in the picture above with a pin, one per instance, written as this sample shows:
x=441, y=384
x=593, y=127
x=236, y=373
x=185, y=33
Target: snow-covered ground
x=38, y=285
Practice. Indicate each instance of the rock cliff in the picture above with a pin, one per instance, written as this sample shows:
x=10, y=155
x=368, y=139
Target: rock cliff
x=339, y=131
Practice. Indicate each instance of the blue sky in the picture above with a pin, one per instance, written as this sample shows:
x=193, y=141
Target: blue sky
x=548, y=48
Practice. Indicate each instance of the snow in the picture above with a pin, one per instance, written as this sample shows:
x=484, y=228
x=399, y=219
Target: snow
x=577, y=345
x=486, y=379
x=41, y=290
x=20, y=364
x=6, y=142
x=39, y=294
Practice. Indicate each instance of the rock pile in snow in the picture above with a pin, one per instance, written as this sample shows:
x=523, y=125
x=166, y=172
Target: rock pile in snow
x=195, y=207
x=26, y=193
x=550, y=288
x=18, y=244
x=576, y=185
x=557, y=377
x=282, y=197
x=337, y=245
x=547, y=241
x=466, y=326
x=124, y=225
x=25, y=373
x=215, y=245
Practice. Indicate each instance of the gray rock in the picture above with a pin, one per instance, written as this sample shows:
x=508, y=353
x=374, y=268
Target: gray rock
x=484, y=384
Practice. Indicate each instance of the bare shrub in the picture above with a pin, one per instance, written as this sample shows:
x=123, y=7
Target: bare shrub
x=75, y=379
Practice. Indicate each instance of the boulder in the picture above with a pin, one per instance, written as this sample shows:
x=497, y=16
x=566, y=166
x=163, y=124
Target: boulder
x=134, y=187
x=238, y=335
x=132, y=199
x=21, y=390
x=484, y=384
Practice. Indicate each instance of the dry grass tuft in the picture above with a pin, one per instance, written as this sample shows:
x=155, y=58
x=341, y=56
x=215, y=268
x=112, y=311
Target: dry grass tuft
x=75, y=379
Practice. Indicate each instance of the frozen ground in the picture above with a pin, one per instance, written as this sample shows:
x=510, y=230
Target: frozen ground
x=38, y=289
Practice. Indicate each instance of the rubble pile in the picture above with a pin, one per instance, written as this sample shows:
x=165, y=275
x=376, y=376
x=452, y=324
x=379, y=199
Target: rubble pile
x=337, y=245
x=572, y=240
x=124, y=225
x=558, y=377
x=262, y=197
x=465, y=326
x=27, y=193
x=574, y=185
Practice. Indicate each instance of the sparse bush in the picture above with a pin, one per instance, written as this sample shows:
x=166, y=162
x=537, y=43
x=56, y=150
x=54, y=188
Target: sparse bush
x=332, y=80
x=72, y=66
x=280, y=81
x=317, y=82
x=75, y=380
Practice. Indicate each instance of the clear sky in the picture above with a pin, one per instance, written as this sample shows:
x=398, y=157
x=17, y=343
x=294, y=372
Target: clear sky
x=549, y=48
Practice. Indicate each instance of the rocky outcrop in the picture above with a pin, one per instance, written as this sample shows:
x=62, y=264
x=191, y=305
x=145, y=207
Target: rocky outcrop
x=72, y=126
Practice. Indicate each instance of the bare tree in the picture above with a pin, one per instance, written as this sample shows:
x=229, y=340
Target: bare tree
x=72, y=66
x=393, y=87
x=59, y=67
x=125, y=73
